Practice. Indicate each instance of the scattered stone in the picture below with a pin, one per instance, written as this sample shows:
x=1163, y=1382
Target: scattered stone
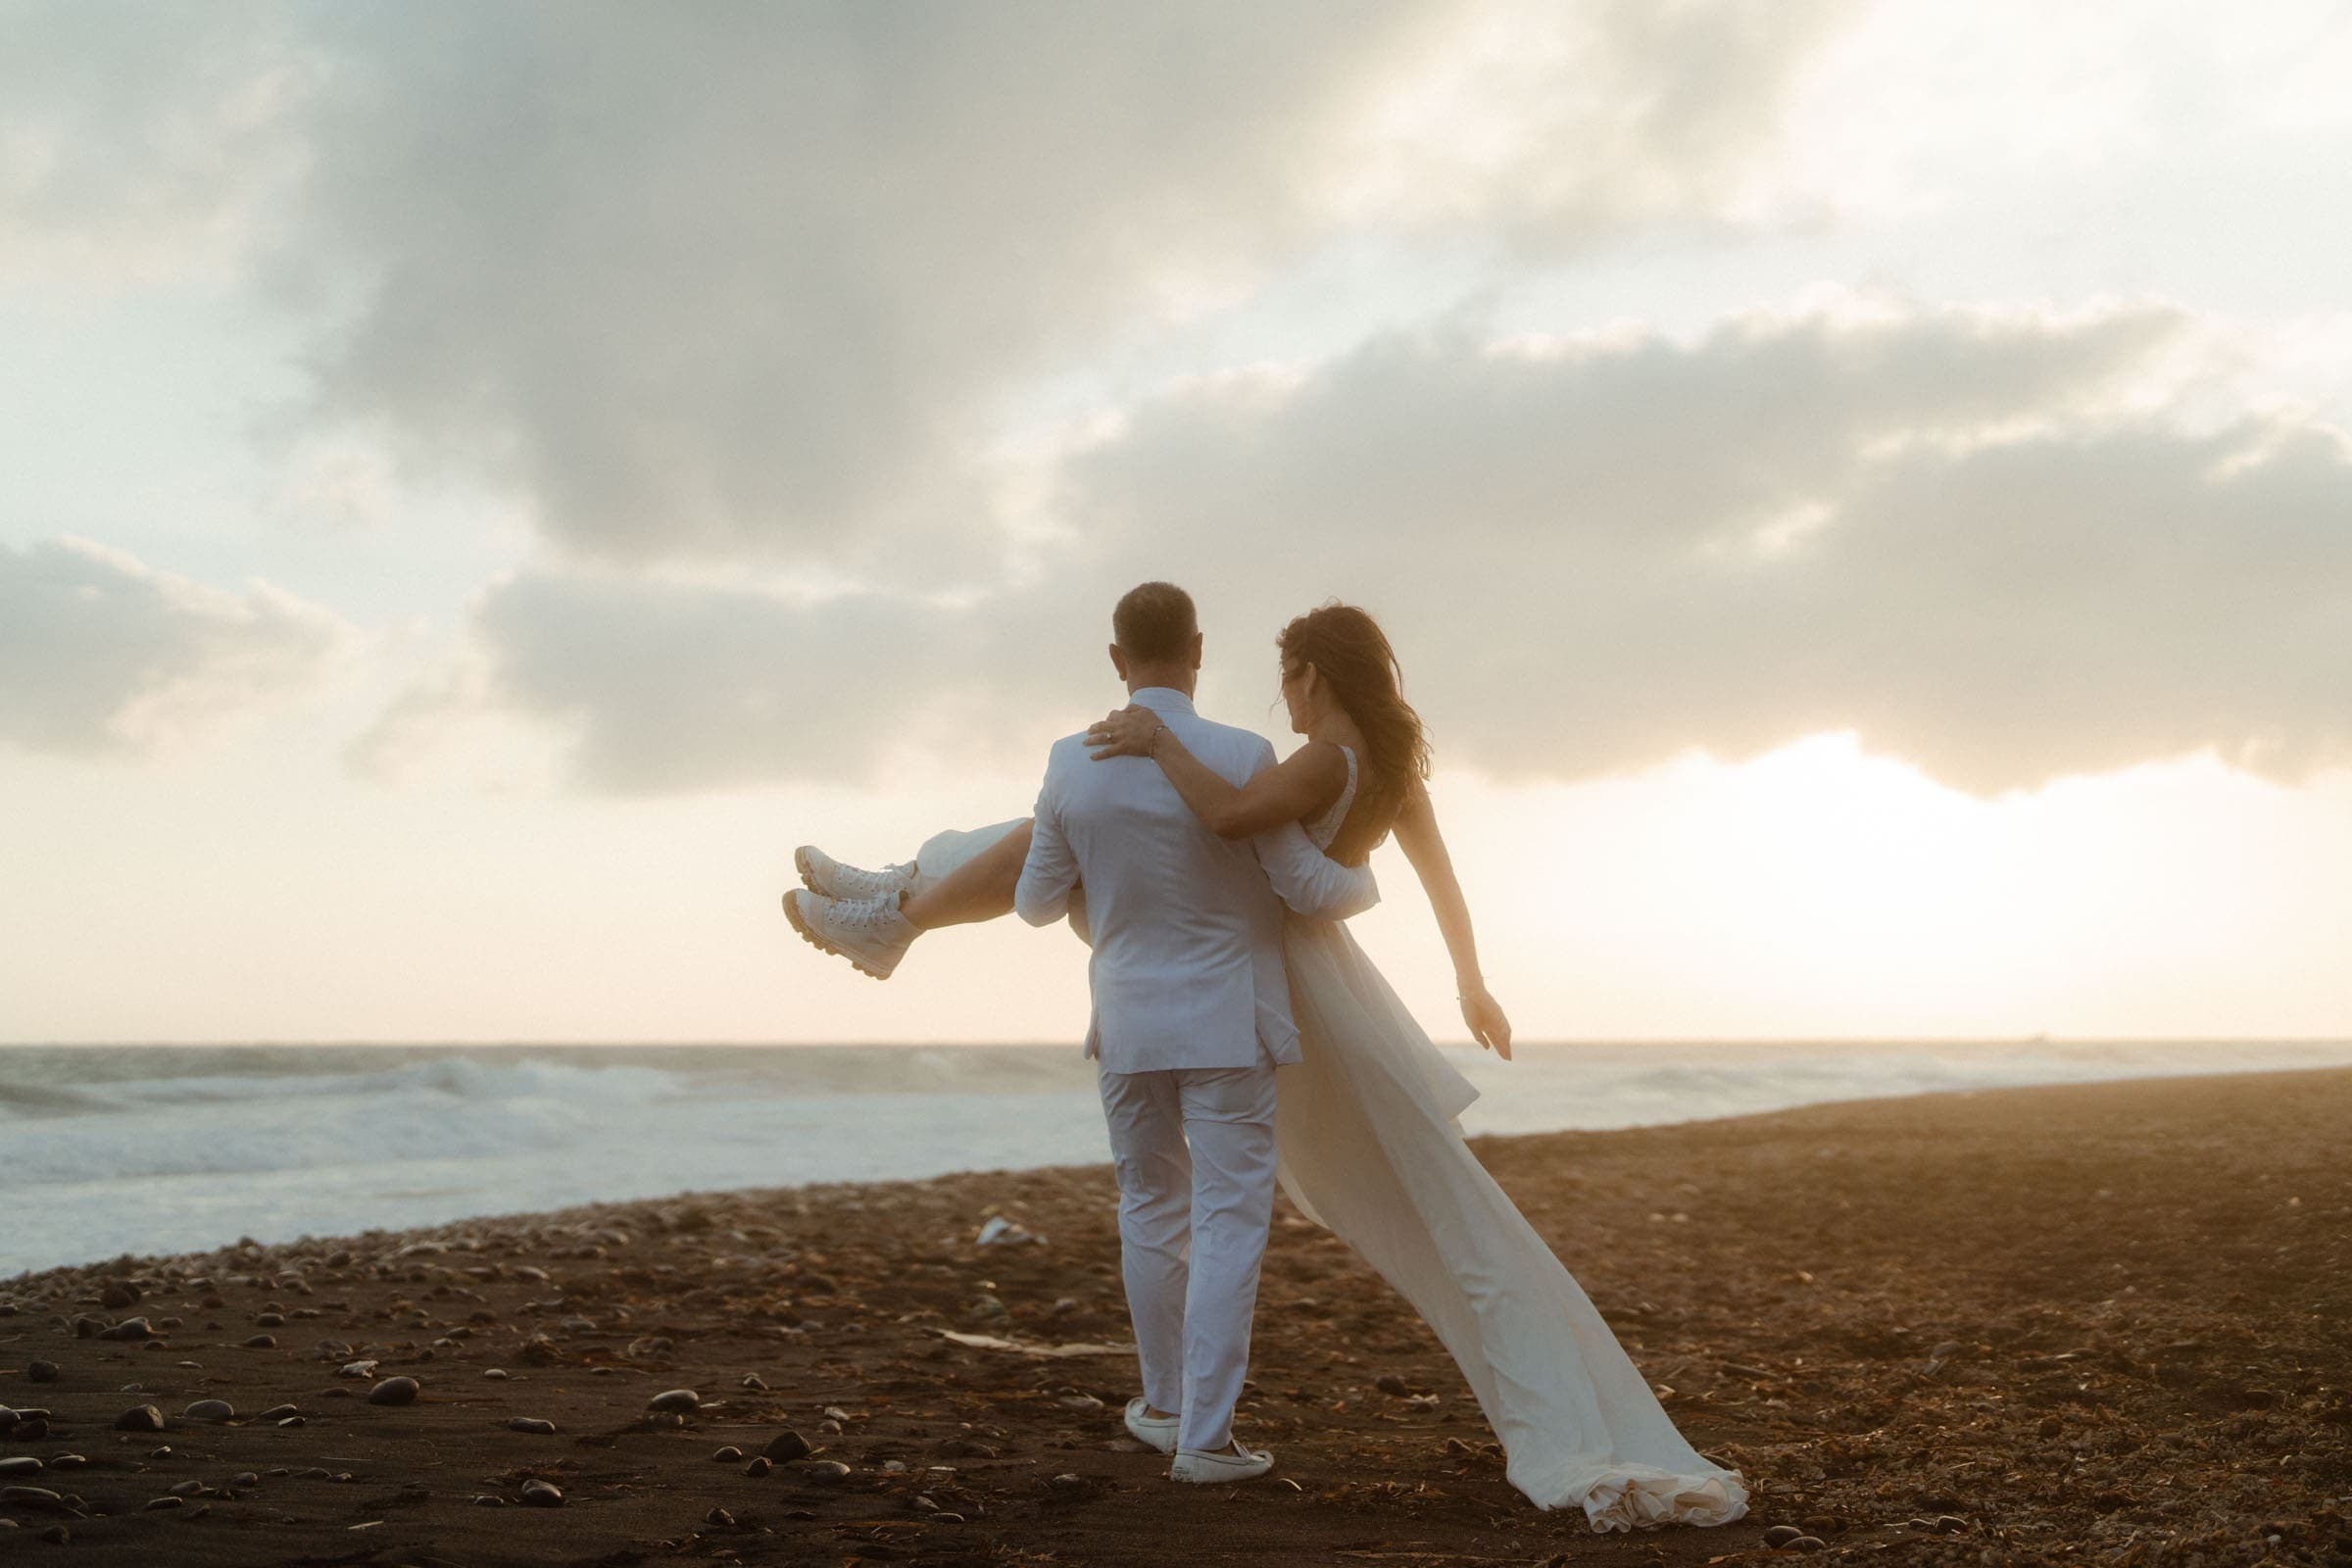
x=260, y=1341
x=25, y=1465
x=210, y=1411
x=485, y=1499
x=68, y=1461
x=827, y=1471
x=41, y=1371
x=153, y=1503
x=760, y=1466
x=786, y=1446
x=728, y=1455
x=57, y=1535
x=118, y=1296
x=276, y=1412
x=1389, y=1383
x=682, y=1401
x=524, y=1423
x=245, y=1479
x=130, y=1328
x=1808, y=1543
x=357, y=1369
x=394, y=1391
x=1780, y=1535
x=718, y=1516
x=497, y=1374
x=140, y=1418
x=752, y=1380
x=1950, y=1524
x=540, y=1495
x=29, y=1498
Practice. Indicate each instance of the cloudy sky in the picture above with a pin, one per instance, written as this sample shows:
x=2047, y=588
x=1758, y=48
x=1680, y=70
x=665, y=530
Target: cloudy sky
x=1862, y=493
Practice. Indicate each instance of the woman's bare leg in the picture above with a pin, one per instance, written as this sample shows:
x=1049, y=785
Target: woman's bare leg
x=980, y=889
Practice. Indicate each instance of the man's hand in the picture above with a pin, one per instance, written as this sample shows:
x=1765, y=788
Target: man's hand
x=1129, y=733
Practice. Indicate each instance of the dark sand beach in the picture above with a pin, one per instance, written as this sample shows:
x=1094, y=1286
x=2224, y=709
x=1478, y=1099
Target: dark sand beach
x=2106, y=1323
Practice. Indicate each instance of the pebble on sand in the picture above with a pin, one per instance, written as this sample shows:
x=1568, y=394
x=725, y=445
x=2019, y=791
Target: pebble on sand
x=140, y=1418
x=682, y=1401
x=24, y=1465
x=540, y=1495
x=210, y=1411
x=130, y=1328
x=526, y=1423
x=394, y=1391
x=786, y=1446
x=41, y=1371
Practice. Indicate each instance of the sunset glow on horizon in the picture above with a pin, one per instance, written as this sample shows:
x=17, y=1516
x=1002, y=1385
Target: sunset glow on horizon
x=1861, y=492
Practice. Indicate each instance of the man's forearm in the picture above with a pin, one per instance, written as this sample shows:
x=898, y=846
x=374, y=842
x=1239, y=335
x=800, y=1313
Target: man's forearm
x=1311, y=881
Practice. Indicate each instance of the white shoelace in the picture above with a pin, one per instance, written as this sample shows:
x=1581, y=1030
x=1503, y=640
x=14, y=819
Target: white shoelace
x=876, y=911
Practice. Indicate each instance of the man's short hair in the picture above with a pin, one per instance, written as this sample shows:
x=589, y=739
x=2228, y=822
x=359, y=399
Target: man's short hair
x=1154, y=623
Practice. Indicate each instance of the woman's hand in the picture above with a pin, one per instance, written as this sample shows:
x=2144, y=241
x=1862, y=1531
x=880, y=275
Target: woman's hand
x=1485, y=1016
x=1129, y=733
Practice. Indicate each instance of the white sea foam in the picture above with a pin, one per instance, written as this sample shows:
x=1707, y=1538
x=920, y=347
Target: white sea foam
x=108, y=1150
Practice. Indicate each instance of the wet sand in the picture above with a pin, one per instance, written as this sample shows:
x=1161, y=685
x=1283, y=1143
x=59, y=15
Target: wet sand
x=2104, y=1323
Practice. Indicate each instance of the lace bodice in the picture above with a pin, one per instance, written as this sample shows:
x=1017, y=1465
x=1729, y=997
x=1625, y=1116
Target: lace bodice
x=1325, y=828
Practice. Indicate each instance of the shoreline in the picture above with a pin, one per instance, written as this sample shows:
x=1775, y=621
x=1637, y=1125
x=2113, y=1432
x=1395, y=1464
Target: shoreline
x=2100, y=1320
x=146, y=1150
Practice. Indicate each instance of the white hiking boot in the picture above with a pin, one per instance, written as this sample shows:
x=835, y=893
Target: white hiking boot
x=821, y=873
x=1231, y=1463
x=870, y=933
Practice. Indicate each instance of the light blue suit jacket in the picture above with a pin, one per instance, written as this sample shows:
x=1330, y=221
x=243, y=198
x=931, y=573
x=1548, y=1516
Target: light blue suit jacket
x=1187, y=927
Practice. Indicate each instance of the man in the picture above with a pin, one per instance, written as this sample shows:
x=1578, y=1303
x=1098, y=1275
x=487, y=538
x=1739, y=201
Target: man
x=1192, y=1014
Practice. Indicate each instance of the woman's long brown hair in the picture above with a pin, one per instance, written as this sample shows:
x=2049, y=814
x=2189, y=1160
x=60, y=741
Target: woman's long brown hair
x=1347, y=645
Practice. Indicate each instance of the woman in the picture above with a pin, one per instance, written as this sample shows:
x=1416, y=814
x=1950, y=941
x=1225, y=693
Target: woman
x=1366, y=1130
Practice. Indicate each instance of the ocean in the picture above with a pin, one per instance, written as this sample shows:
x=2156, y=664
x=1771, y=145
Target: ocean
x=109, y=1149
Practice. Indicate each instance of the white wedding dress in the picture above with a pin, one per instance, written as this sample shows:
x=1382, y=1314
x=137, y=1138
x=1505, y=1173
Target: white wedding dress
x=1370, y=1148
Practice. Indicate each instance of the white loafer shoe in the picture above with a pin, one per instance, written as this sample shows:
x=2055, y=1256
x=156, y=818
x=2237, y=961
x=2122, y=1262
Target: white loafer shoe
x=1235, y=1463
x=1160, y=1431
